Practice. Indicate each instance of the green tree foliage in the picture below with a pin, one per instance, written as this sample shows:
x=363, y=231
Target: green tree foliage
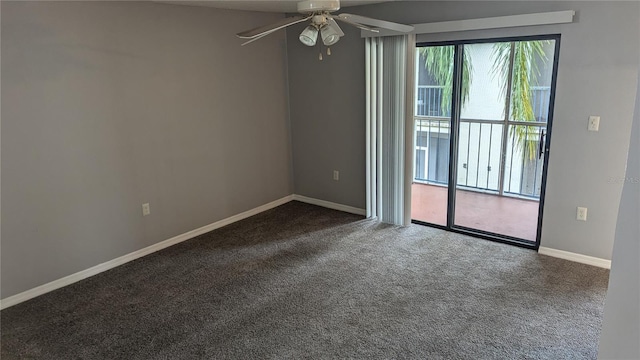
x=525, y=72
x=439, y=63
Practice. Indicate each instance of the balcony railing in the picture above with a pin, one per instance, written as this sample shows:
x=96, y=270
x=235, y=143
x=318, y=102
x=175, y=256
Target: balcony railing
x=540, y=96
x=430, y=101
x=480, y=154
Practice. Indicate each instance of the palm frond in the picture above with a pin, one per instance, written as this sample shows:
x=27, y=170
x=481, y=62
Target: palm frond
x=525, y=69
x=439, y=64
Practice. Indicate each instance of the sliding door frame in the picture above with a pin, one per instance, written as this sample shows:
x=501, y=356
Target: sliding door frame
x=454, y=139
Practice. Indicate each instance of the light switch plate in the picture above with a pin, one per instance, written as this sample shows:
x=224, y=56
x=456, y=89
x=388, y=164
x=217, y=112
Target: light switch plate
x=581, y=214
x=594, y=123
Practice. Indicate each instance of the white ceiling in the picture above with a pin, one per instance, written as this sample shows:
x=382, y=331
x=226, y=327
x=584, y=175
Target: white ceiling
x=263, y=5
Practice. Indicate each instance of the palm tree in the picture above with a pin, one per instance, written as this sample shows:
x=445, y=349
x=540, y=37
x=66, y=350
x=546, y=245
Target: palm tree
x=439, y=63
x=525, y=71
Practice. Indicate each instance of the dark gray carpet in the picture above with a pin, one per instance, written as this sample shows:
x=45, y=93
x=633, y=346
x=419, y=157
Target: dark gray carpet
x=301, y=281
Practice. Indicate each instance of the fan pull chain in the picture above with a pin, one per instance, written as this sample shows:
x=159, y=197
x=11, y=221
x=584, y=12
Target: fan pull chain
x=320, y=56
x=329, y=51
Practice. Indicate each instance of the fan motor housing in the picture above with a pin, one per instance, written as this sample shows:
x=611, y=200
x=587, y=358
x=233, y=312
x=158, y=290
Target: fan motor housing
x=311, y=6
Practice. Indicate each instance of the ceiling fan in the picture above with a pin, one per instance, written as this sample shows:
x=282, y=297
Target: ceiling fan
x=322, y=22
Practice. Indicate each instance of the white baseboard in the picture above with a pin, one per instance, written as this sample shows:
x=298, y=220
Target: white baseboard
x=584, y=259
x=330, y=205
x=81, y=275
x=67, y=280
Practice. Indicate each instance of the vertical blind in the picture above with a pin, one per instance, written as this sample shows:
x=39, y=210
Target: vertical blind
x=388, y=68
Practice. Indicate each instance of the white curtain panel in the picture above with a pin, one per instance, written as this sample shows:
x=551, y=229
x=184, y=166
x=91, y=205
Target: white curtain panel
x=389, y=77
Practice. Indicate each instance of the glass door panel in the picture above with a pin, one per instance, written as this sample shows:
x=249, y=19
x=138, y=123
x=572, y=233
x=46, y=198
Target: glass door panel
x=489, y=105
x=432, y=132
x=504, y=107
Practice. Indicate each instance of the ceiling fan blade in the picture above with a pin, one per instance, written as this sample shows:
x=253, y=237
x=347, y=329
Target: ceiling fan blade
x=250, y=34
x=334, y=25
x=258, y=37
x=359, y=26
x=382, y=24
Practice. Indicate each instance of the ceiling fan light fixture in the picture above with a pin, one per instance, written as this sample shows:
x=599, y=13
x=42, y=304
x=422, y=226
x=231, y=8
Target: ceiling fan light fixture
x=309, y=35
x=329, y=35
x=322, y=21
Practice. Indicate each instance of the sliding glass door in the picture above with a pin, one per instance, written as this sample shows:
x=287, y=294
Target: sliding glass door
x=434, y=89
x=483, y=117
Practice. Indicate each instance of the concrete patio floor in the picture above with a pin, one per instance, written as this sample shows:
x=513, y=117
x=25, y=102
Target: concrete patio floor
x=497, y=214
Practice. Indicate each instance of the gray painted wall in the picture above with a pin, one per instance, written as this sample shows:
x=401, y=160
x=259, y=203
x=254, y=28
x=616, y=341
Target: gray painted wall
x=327, y=101
x=108, y=105
x=597, y=76
x=621, y=326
